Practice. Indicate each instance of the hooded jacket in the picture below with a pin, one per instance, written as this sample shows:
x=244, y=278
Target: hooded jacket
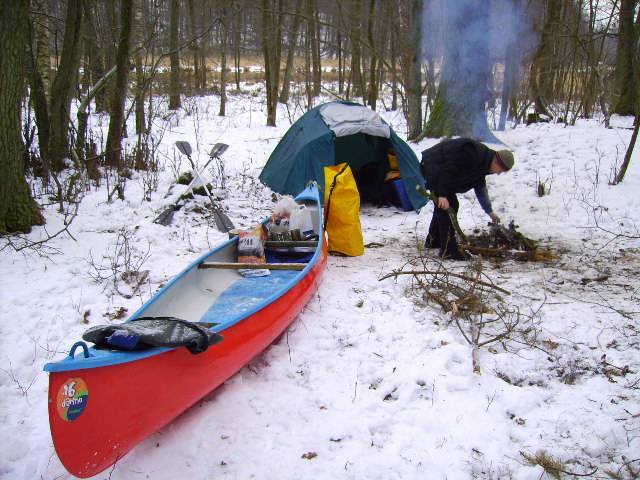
x=457, y=166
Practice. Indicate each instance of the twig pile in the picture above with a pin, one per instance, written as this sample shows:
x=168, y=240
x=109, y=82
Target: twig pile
x=472, y=300
x=505, y=242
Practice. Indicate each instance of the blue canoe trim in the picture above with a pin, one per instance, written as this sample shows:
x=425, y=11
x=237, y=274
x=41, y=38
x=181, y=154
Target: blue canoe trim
x=104, y=358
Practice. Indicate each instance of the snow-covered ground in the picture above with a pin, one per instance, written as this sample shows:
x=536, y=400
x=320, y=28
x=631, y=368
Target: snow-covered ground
x=368, y=383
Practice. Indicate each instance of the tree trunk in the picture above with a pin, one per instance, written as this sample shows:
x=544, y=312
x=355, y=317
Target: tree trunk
x=307, y=67
x=40, y=23
x=356, y=51
x=543, y=66
x=223, y=69
x=174, y=76
x=625, y=81
x=195, y=47
x=293, y=42
x=95, y=53
x=271, y=47
x=315, y=48
x=116, y=123
x=340, y=63
x=413, y=73
x=509, y=83
x=18, y=211
x=63, y=85
x=393, y=53
x=40, y=103
x=627, y=156
x=511, y=63
x=373, y=68
x=459, y=108
x=140, y=80
x=237, y=43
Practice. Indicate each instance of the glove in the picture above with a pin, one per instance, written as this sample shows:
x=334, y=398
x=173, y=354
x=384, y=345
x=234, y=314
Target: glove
x=494, y=217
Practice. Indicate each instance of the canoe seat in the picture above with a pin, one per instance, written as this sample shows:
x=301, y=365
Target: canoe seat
x=246, y=294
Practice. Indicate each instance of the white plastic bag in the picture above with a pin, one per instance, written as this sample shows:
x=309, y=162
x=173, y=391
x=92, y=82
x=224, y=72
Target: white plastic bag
x=285, y=207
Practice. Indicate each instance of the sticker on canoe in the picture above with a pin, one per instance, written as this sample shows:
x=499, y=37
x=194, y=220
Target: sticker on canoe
x=72, y=399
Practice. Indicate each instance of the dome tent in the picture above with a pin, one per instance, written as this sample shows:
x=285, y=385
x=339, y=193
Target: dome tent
x=338, y=132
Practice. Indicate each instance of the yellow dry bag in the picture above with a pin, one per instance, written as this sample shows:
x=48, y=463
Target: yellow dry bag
x=342, y=211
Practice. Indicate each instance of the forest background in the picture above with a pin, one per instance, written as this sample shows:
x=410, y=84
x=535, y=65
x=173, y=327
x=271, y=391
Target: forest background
x=445, y=64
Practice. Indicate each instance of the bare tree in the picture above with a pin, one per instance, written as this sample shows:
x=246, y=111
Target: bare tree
x=314, y=42
x=223, y=35
x=627, y=156
x=63, y=86
x=544, y=65
x=140, y=80
x=411, y=66
x=271, y=48
x=174, y=78
x=18, y=210
x=626, y=84
x=116, y=123
x=296, y=21
x=40, y=32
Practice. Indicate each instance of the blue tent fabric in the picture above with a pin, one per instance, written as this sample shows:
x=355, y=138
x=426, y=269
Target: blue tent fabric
x=309, y=145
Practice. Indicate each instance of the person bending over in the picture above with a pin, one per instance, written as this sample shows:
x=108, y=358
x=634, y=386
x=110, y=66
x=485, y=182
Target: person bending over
x=457, y=166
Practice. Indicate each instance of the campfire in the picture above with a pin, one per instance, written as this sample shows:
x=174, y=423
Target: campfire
x=504, y=242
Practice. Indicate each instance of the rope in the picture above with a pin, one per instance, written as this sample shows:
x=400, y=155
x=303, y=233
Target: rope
x=333, y=186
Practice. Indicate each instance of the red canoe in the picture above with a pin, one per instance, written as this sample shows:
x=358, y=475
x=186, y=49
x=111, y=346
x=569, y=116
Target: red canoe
x=103, y=402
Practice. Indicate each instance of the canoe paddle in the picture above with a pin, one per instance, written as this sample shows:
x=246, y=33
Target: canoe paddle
x=223, y=223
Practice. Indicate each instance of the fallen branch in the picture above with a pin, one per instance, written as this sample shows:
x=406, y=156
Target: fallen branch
x=531, y=256
x=457, y=275
x=452, y=213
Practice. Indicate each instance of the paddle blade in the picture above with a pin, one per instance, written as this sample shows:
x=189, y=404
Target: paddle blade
x=218, y=149
x=166, y=216
x=184, y=147
x=223, y=223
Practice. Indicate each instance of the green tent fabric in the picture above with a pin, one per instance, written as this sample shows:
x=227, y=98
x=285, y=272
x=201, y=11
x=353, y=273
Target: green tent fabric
x=357, y=135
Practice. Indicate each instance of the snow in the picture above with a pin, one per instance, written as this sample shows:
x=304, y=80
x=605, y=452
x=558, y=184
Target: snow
x=368, y=382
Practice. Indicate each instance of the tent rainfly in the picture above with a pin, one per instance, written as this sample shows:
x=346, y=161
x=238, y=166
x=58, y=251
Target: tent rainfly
x=338, y=132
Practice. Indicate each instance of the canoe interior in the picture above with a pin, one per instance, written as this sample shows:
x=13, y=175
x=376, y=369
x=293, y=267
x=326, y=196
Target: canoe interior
x=220, y=296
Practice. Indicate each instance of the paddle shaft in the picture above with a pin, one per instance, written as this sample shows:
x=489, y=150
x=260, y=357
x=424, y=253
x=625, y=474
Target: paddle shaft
x=223, y=223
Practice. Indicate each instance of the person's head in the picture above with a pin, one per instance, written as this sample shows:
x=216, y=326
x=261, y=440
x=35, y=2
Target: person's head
x=502, y=162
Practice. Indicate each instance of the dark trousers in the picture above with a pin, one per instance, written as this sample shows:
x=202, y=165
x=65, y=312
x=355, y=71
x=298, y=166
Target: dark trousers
x=441, y=233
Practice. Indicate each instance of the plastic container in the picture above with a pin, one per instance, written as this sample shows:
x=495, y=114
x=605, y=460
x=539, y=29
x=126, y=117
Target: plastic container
x=401, y=192
x=301, y=220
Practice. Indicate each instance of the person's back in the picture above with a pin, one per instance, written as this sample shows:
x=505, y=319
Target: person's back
x=456, y=166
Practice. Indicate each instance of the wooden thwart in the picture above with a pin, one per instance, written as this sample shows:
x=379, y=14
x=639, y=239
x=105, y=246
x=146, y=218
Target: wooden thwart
x=254, y=266
x=290, y=243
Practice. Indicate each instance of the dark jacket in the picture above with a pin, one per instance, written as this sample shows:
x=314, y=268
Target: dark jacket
x=457, y=166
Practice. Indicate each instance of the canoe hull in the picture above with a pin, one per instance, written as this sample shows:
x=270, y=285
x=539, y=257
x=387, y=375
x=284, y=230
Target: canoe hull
x=126, y=403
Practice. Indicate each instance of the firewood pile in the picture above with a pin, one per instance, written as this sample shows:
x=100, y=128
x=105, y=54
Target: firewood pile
x=505, y=242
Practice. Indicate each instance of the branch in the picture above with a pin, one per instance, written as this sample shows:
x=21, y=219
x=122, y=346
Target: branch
x=452, y=214
x=457, y=275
